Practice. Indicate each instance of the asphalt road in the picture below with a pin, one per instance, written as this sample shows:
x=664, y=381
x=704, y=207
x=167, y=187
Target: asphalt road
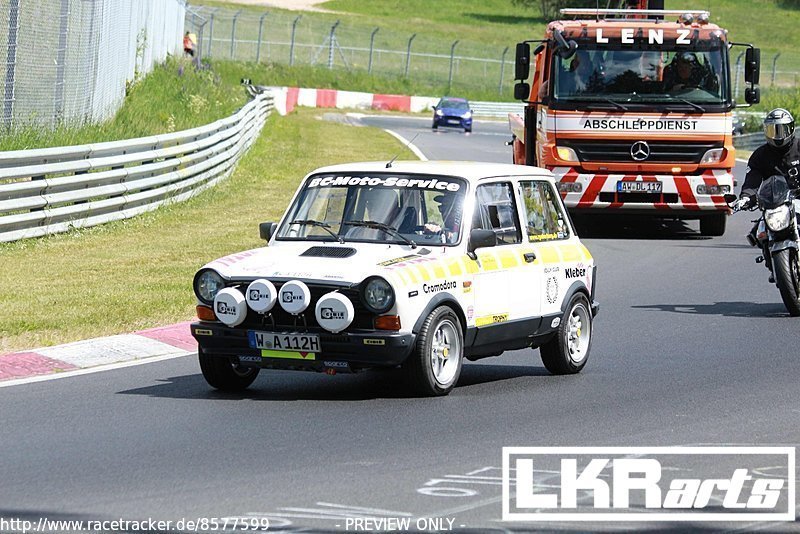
x=692, y=346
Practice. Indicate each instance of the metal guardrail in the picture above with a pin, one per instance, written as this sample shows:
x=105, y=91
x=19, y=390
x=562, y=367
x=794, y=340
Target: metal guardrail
x=497, y=109
x=749, y=141
x=51, y=190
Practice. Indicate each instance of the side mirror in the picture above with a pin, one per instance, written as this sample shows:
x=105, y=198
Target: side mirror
x=752, y=95
x=480, y=238
x=730, y=199
x=266, y=230
x=538, y=50
x=433, y=108
x=522, y=91
x=752, y=65
x=522, y=65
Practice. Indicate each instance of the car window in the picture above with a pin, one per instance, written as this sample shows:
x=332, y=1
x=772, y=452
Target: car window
x=495, y=210
x=453, y=104
x=545, y=217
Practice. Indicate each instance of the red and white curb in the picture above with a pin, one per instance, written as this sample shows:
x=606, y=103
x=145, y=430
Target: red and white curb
x=96, y=354
x=287, y=98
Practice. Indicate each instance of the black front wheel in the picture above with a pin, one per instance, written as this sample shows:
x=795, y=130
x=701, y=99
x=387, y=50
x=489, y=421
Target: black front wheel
x=223, y=374
x=435, y=364
x=714, y=225
x=787, y=277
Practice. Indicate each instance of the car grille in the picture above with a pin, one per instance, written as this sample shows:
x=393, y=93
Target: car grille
x=620, y=151
x=306, y=320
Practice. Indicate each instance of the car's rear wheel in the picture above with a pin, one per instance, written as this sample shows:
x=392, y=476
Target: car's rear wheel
x=435, y=364
x=224, y=374
x=568, y=351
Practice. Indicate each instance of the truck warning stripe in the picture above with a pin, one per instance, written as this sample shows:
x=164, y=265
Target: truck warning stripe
x=592, y=191
x=685, y=193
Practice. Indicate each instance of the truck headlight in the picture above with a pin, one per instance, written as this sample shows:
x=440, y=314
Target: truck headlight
x=566, y=153
x=207, y=283
x=713, y=156
x=377, y=294
x=779, y=218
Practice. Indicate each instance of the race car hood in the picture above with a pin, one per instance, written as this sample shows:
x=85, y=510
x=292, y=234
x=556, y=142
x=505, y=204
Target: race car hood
x=320, y=262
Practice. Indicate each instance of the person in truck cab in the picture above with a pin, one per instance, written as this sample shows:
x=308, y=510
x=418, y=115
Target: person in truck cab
x=578, y=77
x=683, y=72
x=779, y=155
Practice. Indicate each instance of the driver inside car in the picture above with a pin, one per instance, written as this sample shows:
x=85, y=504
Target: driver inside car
x=450, y=210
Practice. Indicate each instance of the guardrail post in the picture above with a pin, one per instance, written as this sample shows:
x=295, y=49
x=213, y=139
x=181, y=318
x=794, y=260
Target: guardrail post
x=774, y=65
x=200, y=41
x=331, y=43
x=736, y=76
x=408, y=53
x=61, y=55
x=233, y=32
x=452, y=56
x=211, y=31
x=260, y=31
x=502, y=71
x=371, y=48
x=11, y=63
x=291, y=46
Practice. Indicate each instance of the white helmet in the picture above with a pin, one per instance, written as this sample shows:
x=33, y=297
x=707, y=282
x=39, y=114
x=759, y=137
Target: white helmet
x=779, y=127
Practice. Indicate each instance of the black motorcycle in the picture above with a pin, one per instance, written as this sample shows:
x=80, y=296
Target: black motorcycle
x=776, y=234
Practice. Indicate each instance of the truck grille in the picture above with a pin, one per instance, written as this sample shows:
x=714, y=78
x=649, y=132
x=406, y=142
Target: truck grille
x=660, y=151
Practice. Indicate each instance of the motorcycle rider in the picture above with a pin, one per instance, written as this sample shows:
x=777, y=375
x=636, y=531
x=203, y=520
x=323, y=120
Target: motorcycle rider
x=780, y=155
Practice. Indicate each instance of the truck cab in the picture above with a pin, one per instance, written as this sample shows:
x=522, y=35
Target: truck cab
x=632, y=112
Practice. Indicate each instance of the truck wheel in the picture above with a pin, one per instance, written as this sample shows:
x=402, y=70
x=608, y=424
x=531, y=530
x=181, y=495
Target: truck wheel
x=434, y=366
x=787, y=277
x=713, y=225
x=221, y=373
x=568, y=351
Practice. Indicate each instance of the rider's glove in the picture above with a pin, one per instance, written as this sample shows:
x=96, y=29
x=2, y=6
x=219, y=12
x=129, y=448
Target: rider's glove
x=742, y=204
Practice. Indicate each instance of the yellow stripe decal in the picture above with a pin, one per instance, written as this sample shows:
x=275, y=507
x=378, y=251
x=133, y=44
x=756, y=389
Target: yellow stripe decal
x=571, y=253
x=586, y=253
x=491, y=319
x=438, y=271
x=288, y=355
x=454, y=266
x=548, y=254
x=423, y=272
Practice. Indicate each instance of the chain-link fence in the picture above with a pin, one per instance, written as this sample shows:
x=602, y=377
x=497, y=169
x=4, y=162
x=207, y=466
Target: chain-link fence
x=305, y=40
x=68, y=61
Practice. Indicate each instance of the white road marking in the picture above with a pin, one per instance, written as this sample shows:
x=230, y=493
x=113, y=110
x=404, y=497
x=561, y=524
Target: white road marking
x=90, y=370
x=417, y=152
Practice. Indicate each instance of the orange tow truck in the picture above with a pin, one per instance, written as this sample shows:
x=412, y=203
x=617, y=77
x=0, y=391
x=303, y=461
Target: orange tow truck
x=631, y=109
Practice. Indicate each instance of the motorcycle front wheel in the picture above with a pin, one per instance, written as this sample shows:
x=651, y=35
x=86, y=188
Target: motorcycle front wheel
x=787, y=277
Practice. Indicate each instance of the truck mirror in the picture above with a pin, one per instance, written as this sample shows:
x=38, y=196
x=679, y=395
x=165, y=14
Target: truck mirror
x=522, y=91
x=538, y=50
x=752, y=95
x=752, y=65
x=266, y=229
x=522, y=66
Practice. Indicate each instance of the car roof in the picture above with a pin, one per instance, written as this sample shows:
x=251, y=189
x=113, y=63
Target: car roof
x=472, y=171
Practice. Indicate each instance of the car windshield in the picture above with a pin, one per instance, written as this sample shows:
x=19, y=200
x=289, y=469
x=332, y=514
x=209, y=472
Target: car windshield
x=377, y=208
x=454, y=104
x=678, y=76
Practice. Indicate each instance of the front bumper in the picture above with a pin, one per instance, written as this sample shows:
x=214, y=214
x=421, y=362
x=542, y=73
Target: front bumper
x=453, y=120
x=679, y=196
x=344, y=351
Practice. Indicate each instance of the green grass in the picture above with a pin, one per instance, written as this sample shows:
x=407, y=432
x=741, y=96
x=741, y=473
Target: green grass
x=162, y=102
x=137, y=273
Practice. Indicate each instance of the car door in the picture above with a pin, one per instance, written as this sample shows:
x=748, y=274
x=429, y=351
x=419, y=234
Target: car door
x=504, y=291
x=546, y=229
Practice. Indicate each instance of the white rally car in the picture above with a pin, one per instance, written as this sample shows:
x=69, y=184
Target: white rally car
x=415, y=265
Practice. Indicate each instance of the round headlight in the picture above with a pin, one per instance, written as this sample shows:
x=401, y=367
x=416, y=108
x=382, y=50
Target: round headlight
x=779, y=218
x=207, y=284
x=378, y=295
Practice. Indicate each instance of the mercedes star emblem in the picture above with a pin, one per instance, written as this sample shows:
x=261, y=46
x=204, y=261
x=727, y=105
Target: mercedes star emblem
x=640, y=150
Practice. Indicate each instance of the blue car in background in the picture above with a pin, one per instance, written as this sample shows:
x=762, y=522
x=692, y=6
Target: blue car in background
x=452, y=112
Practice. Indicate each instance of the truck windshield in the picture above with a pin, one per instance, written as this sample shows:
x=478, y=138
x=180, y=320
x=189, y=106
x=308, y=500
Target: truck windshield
x=377, y=208
x=681, y=76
